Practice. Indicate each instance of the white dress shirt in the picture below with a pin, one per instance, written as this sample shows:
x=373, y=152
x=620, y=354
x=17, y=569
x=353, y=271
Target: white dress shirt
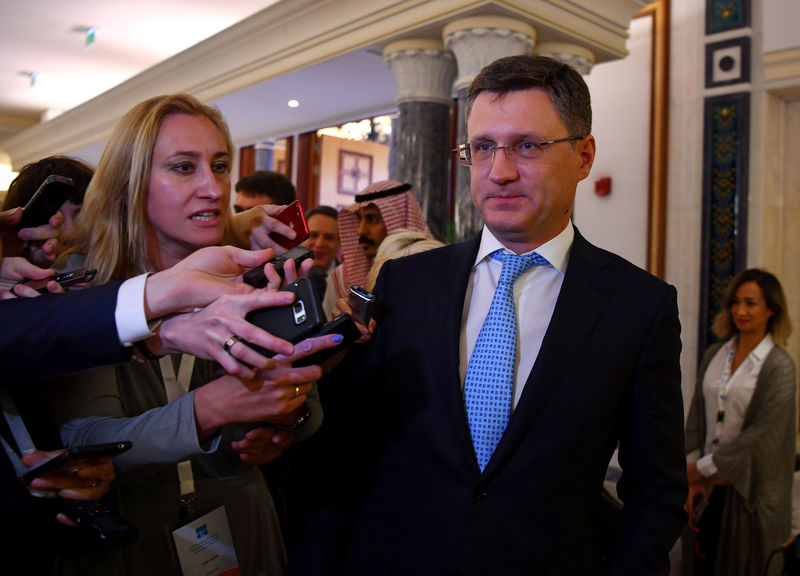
x=535, y=295
x=740, y=386
x=129, y=314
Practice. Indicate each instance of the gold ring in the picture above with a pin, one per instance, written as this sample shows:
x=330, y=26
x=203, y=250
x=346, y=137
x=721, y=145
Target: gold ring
x=296, y=391
x=230, y=342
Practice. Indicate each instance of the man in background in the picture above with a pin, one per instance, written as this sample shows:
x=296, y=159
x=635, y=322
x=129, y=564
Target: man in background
x=323, y=238
x=382, y=208
x=263, y=187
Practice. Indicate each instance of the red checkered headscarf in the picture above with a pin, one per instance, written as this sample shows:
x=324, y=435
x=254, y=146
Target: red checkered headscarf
x=399, y=209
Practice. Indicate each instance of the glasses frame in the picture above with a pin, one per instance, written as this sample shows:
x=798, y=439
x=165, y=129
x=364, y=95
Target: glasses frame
x=465, y=154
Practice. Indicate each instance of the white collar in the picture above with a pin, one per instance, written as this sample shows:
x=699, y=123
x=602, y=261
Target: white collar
x=556, y=250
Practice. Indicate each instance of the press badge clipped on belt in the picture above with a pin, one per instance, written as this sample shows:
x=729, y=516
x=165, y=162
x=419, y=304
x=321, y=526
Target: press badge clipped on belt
x=204, y=546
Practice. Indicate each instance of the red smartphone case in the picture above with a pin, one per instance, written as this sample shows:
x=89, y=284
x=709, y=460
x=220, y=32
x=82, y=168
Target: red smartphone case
x=292, y=215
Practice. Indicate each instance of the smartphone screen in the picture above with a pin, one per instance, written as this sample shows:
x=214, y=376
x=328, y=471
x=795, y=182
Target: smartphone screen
x=291, y=215
x=50, y=196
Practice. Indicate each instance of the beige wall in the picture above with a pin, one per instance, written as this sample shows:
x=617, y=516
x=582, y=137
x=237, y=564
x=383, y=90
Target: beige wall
x=329, y=167
x=774, y=189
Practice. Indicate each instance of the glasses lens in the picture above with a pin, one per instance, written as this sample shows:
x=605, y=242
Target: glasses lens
x=529, y=150
x=464, y=155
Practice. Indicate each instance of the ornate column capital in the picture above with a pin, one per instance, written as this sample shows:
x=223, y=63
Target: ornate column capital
x=580, y=58
x=424, y=70
x=480, y=40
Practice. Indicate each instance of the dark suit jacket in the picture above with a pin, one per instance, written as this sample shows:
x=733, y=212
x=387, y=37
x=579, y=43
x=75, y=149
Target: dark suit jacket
x=40, y=337
x=59, y=333
x=608, y=372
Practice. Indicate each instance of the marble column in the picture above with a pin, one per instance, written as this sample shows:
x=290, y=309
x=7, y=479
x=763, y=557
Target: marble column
x=580, y=58
x=421, y=132
x=264, y=155
x=476, y=42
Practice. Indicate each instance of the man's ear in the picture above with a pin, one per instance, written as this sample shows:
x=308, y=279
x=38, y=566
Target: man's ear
x=586, y=151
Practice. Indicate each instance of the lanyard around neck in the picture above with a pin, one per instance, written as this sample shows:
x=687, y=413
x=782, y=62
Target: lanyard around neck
x=722, y=394
x=175, y=388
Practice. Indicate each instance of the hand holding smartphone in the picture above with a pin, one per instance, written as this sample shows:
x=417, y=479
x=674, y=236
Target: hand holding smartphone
x=292, y=215
x=72, y=460
x=258, y=279
x=294, y=322
x=46, y=201
x=65, y=279
x=361, y=302
x=343, y=324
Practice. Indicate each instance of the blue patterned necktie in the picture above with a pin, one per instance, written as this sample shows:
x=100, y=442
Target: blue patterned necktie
x=489, y=383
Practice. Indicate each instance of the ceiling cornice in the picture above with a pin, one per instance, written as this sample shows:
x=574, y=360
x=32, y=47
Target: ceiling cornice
x=295, y=34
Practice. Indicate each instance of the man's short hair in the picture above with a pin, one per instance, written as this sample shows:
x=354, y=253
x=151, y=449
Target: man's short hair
x=265, y=183
x=562, y=83
x=329, y=211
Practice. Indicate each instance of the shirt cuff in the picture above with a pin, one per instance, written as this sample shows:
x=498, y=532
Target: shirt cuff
x=132, y=324
x=706, y=466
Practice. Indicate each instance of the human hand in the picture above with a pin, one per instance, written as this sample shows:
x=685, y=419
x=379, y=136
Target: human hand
x=273, y=396
x=204, y=333
x=262, y=445
x=693, y=473
x=10, y=218
x=14, y=270
x=276, y=281
x=697, y=493
x=201, y=278
x=80, y=482
x=40, y=244
x=253, y=227
x=343, y=306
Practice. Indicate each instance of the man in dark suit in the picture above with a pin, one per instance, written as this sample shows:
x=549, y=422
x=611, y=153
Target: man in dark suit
x=595, y=367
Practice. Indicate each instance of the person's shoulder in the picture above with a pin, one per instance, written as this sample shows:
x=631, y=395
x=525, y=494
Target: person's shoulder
x=780, y=358
x=618, y=267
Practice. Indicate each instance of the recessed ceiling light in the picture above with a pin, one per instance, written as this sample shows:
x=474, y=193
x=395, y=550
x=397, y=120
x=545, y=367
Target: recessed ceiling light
x=293, y=103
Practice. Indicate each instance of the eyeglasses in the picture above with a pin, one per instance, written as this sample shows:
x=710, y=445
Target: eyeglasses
x=483, y=154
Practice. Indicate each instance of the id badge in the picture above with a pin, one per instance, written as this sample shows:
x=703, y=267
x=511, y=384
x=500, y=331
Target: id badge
x=204, y=546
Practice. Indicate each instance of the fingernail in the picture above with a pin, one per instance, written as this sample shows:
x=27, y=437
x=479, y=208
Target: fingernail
x=338, y=338
x=24, y=234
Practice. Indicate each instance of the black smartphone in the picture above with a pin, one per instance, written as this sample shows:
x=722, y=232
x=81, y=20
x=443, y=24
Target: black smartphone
x=361, y=302
x=291, y=215
x=256, y=277
x=66, y=279
x=99, y=522
x=46, y=201
x=69, y=461
x=343, y=324
x=294, y=322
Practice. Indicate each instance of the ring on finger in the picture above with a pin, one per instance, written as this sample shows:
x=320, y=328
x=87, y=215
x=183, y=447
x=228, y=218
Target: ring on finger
x=230, y=342
x=96, y=482
x=296, y=391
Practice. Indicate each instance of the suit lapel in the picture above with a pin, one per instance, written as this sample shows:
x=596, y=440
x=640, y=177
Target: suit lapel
x=587, y=287
x=452, y=293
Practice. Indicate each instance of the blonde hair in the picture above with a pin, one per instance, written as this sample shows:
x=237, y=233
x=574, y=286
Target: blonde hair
x=404, y=242
x=113, y=221
x=779, y=325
